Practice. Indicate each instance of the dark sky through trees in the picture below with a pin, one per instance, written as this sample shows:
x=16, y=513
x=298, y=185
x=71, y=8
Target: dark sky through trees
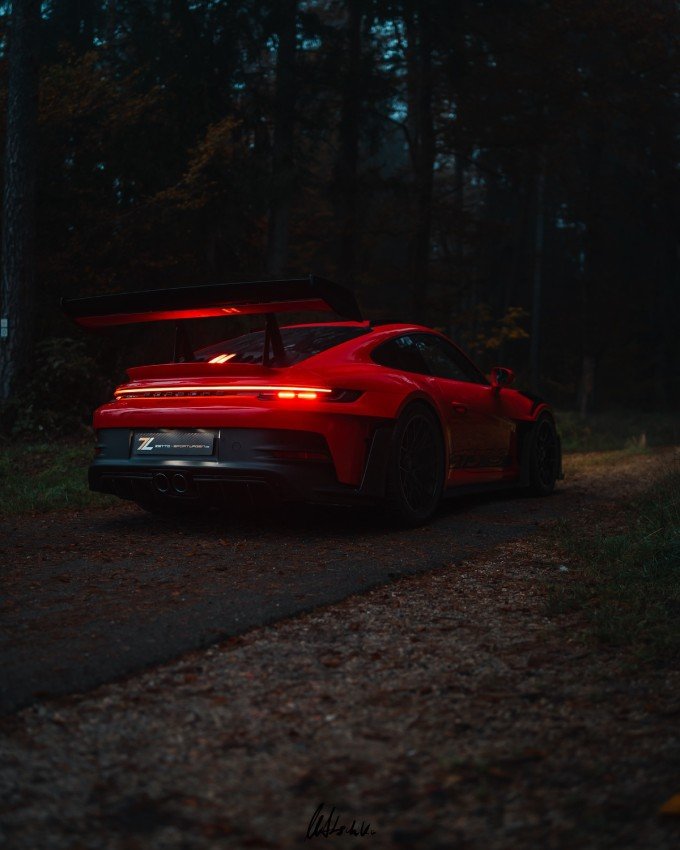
x=456, y=162
x=17, y=270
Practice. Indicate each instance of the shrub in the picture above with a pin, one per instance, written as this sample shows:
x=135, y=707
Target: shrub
x=58, y=395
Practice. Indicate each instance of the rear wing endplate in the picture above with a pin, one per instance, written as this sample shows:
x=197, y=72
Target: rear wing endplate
x=222, y=299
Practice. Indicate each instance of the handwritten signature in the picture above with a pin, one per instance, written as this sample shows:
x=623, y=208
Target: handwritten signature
x=328, y=825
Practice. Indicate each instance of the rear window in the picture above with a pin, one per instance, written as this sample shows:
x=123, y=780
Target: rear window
x=298, y=344
x=401, y=353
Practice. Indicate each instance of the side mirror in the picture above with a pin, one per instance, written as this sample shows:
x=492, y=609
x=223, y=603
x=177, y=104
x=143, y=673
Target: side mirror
x=502, y=377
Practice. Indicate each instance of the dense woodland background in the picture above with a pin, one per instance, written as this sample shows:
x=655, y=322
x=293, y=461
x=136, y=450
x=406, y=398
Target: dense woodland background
x=505, y=171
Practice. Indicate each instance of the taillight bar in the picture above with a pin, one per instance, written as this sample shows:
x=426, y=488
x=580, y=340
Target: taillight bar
x=261, y=389
x=264, y=393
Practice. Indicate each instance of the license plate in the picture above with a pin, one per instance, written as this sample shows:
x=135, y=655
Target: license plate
x=173, y=443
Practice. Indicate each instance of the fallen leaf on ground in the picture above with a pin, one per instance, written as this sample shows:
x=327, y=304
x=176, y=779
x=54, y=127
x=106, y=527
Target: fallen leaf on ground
x=671, y=806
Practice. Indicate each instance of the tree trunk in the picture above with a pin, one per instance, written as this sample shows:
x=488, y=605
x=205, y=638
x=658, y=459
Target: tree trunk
x=537, y=279
x=591, y=274
x=282, y=153
x=666, y=297
x=111, y=23
x=73, y=23
x=586, y=385
x=421, y=131
x=346, y=180
x=17, y=274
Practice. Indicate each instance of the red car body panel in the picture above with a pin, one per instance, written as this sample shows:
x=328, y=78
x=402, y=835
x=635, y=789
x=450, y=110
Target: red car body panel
x=313, y=421
x=478, y=420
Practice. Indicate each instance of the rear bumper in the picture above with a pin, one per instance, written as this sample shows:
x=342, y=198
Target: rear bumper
x=247, y=465
x=222, y=483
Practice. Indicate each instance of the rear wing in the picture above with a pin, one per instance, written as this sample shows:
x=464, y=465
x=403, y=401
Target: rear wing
x=221, y=299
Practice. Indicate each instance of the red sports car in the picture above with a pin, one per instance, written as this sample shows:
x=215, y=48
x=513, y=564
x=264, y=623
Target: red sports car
x=345, y=411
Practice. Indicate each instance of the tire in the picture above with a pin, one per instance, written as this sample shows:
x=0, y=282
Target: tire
x=415, y=471
x=544, y=458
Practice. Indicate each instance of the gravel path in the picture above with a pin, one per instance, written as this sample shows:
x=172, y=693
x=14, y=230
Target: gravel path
x=443, y=710
x=90, y=596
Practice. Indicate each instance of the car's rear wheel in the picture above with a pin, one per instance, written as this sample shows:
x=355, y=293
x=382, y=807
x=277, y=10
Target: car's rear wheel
x=415, y=474
x=544, y=458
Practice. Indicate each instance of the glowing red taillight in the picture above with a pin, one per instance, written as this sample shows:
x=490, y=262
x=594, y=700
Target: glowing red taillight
x=304, y=394
x=264, y=392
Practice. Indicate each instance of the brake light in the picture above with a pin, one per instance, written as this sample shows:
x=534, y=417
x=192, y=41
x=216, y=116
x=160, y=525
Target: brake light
x=298, y=395
x=298, y=392
x=312, y=394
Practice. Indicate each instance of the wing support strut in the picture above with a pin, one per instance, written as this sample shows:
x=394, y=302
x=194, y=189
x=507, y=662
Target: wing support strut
x=182, y=351
x=273, y=341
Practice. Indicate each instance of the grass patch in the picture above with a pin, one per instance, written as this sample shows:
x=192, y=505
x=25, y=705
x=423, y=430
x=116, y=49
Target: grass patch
x=617, y=430
x=629, y=583
x=603, y=462
x=37, y=477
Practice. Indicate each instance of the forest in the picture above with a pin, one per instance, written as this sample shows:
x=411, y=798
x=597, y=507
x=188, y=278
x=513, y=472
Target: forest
x=504, y=171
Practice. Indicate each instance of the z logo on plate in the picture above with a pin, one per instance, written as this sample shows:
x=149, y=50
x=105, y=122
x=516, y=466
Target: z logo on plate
x=145, y=444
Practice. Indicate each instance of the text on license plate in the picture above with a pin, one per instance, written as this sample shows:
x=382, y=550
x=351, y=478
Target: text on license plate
x=178, y=443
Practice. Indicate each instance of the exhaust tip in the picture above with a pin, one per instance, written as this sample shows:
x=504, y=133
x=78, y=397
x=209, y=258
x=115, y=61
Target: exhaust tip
x=179, y=483
x=161, y=482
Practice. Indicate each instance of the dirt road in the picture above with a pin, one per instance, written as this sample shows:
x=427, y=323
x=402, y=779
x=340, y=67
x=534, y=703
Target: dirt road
x=442, y=709
x=91, y=596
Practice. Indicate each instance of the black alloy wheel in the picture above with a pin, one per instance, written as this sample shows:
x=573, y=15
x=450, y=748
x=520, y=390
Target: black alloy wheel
x=416, y=473
x=544, y=462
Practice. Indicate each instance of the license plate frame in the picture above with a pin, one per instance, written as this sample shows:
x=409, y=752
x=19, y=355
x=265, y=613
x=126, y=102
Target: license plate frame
x=173, y=443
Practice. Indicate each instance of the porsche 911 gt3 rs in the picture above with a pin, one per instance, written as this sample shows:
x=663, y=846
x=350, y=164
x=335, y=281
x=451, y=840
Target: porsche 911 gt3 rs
x=344, y=411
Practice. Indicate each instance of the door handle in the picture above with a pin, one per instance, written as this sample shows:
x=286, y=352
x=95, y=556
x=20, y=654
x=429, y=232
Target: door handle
x=459, y=408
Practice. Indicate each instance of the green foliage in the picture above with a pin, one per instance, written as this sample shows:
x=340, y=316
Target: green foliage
x=623, y=429
x=58, y=395
x=629, y=585
x=482, y=331
x=221, y=194
x=46, y=477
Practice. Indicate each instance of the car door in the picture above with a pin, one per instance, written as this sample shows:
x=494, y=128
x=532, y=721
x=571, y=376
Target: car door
x=481, y=436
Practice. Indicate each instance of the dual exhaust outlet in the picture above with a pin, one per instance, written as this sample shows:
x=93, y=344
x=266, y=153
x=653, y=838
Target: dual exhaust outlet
x=176, y=484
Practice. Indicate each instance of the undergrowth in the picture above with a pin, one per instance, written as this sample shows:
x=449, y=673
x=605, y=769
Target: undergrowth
x=46, y=476
x=629, y=582
x=617, y=430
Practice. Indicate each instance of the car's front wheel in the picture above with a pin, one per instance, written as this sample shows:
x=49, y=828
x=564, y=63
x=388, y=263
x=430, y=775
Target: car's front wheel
x=415, y=474
x=544, y=457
